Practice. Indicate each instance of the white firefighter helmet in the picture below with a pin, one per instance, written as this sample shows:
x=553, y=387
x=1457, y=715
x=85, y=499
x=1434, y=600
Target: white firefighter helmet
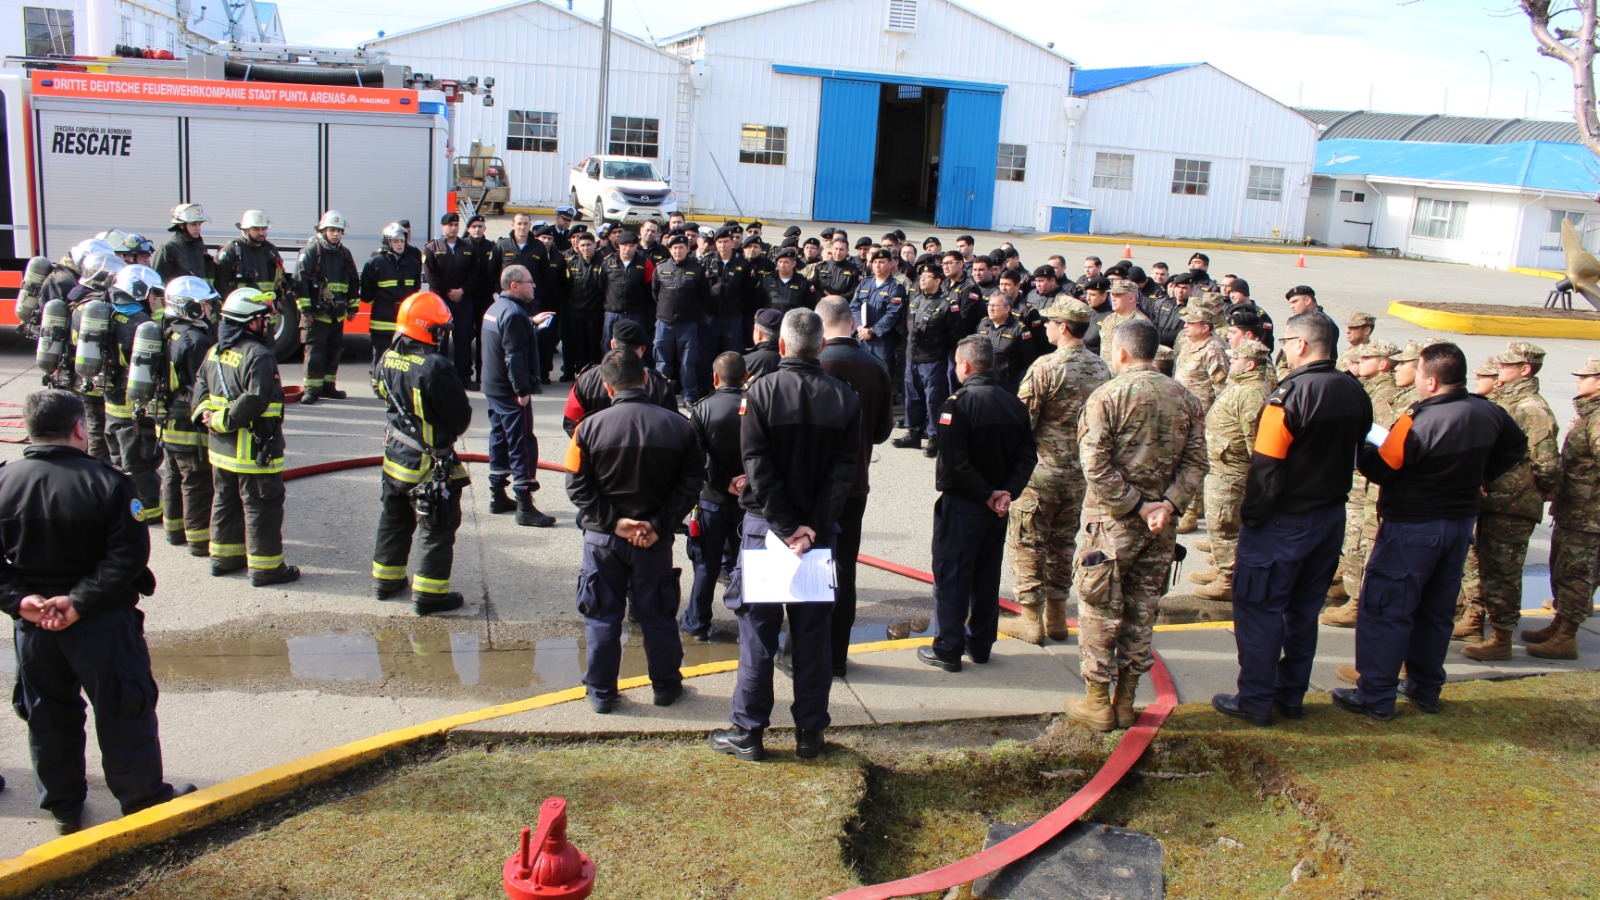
x=332, y=219
x=187, y=213
x=254, y=218
x=188, y=297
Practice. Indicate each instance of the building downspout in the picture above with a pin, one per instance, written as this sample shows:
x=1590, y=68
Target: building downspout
x=1372, y=230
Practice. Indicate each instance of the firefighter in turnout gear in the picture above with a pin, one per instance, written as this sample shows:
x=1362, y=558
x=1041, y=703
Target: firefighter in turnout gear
x=90, y=340
x=239, y=399
x=250, y=260
x=422, y=477
x=130, y=427
x=389, y=277
x=328, y=296
x=186, y=471
x=185, y=252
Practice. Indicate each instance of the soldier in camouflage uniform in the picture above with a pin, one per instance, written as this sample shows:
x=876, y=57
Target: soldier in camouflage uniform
x=1486, y=378
x=1376, y=371
x=1202, y=367
x=1513, y=505
x=1142, y=442
x=1230, y=433
x=1575, y=540
x=1358, y=331
x=1486, y=383
x=1044, y=520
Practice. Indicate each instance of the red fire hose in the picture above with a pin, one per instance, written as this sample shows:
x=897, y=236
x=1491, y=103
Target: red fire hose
x=1133, y=744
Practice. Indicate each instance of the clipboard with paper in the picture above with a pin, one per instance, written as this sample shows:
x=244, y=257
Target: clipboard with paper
x=774, y=574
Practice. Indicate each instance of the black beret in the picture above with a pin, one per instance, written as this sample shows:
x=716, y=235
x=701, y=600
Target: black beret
x=1180, y=278
x=1246, y=319
x=881, y=253
x=629, y=332
x=812, y=242
x=543, y=230
x=787, y=253
x=476, y=218
x=1136, y=275
x=724, y=232
x=751, y=241
x=628, y=237
x=827, y=233
x=1097, y=284
x=450, y=219
x=926, y=269
x=676, y=239
x=769, y=319
x=865, y=242
x=1299, y=290
x=792, y=231
x=1240, y=285
x=1045, y=272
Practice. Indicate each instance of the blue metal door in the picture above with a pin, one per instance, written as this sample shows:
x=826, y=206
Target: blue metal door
x=847, y=147
x=967, y=159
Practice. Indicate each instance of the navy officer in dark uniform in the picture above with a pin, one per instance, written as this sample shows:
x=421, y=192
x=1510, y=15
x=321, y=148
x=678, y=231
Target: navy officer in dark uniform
x=73, y=563
x=800, y=435
x=1310, y=431
x=986, y=455
x=633, y=472
x=714, y=532
x=1431, y=469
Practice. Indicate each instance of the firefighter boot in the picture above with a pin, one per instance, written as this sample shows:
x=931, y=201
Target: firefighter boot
x=1094, y=708
x=1497, y=647
x=499, y=500
x=1026, y=625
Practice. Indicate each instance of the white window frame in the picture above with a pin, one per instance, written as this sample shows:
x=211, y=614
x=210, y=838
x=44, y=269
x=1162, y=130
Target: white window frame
x=1191, y=177
x=764, y=145
x=1012, y=163
x=1113, y=171
x=641, y=133
x=1266, y=184
x=540, y=136
x=59, y=28
x=1352, y=197
x=1552, y=234
x=1439, y=220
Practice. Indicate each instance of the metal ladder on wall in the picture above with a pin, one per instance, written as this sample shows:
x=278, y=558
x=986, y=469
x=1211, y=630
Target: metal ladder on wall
x=681, y=144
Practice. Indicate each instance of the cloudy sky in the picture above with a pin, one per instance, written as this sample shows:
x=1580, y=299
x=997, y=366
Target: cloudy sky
x=1422, y=56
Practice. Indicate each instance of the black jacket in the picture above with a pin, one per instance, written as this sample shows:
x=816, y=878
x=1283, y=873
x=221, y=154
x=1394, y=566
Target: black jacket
x=1014, y=349
x=763, y=359
x=510, y=353
x=183, y=255
x=784, y=296
x=388, y=279
x=845, y=359
x=680, y=291
x=716, y=423
x=67, y=526
x=239, y=384
x=1163, y=314
x=731, y=284
x=584, y=292
x=588, y=396
x=634, y=460
x=985, y=442
x=1439, y=456
x=329, y=282
x=967, y=303
x=244, y=263
x=187, y=344
x=933, y=326
x=426, y=405
x=1310, y=433
x=626, y=287
x=483, y=268
x=800, y=437
x=445, y=268
x=836, y=278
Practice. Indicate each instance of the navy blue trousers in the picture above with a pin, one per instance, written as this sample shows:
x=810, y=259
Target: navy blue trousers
x=513, y=448
x=643, y=320
x=968, y=543
x=712, y=547
x=810, y=626
x=104, y=656
x=1280, y=586
x=677, y=347
x=927, y=388
x=1408, y=607
x=612, y=571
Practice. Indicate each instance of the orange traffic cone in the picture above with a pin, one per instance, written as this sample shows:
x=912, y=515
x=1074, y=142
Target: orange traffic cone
x=1127, y=251
x=1301, y=262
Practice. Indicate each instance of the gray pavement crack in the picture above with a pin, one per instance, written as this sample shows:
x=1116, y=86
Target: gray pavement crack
x=860, y=702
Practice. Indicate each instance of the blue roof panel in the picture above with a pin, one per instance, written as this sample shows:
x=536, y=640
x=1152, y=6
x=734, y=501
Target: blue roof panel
x=1539, y=165
x=1093, y=81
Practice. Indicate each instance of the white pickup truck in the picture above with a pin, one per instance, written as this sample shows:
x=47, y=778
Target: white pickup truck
x=621, y=189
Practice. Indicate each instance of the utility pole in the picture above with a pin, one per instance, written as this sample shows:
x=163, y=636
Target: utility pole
x=600, y=123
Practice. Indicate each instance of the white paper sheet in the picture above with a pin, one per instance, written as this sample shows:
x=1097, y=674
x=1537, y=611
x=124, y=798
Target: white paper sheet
x=1377, y=435
x=773, y=574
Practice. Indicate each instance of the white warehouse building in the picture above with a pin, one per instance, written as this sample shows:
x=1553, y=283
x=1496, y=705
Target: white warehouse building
x=912, y=109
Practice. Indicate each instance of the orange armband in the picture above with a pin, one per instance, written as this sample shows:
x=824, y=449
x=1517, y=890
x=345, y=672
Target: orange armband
x=1272, y=435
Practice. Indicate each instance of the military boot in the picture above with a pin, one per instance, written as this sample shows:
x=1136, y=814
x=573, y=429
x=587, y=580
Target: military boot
x=1539, y=636
x=1205, y=576
x=1469, y=626
x=1497, y=647
x=1219, y=589
x=1337, y=593
x=1348, y=674
x=499, y=500
x=1563, y=646
x=1343, y=616
x=1122, y=705
x=1055, y=620
x=1027, y=625
x=911, y=440
x=1202, y=546
x=1188, y=523
x=1094, y=708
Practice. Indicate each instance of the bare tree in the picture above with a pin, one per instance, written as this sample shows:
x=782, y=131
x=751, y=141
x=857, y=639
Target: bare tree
x=1576, y=48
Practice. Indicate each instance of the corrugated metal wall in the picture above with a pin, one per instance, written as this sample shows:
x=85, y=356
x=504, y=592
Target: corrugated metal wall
x=948, y=43
x=1198, y=114
x=546, y=60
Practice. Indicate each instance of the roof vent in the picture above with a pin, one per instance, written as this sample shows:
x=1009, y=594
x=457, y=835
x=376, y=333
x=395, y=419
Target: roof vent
x=902, y=16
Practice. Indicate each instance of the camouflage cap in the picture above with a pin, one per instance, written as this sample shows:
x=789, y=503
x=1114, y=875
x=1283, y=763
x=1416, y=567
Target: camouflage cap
x=1412, y=351
x=1379, y=349
x=1590, y=367
x=1490, y=368
x=1068, y=309
x=1123, y=286
x=1248, y=349
x=1166, y=354
x=1194, y=313
x=1359, y=319
x=1519, y=353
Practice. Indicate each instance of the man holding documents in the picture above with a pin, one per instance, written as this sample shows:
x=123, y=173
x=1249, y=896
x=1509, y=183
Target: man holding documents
x=800, y=436
x=986, y=455
x=1307, y=440
x=634, y=470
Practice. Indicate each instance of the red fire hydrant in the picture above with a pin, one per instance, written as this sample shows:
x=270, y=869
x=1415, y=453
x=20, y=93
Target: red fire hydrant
x=547, y=867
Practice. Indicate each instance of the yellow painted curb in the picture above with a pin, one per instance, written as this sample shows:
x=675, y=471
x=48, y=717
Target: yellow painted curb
x=1504, y=326
x=1204, y=245
x=1549, y=274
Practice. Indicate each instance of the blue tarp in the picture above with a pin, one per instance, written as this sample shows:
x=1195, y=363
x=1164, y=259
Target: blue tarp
x=1092, y=81
x=1537, y=165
